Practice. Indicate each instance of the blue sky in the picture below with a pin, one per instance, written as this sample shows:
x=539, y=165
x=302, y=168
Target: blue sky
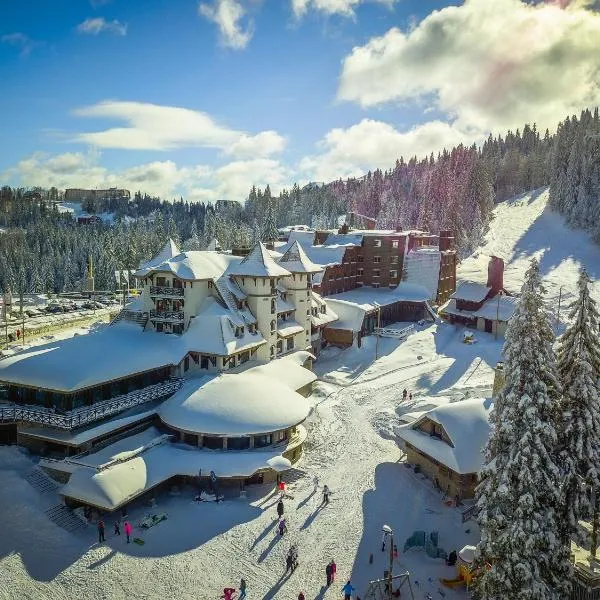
x=205, y=99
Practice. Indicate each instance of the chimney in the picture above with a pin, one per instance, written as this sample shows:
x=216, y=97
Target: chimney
x=495, y=274
x=446, y=240
x=343, y=229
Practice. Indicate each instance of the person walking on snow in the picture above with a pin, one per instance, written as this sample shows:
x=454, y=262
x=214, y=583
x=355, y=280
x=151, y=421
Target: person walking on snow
x=326, y=493
x=117, y=528
x=280, y=509
x=301, y=596
x=100, y=531
x=128, y=530
x=333, y=570
x=404, y=393
x=347, y=590
x=328, y=573
x=228, y=593
x=282, y=527
x=242, y=589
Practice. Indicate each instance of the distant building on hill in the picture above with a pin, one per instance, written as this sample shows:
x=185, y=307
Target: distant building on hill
x=80, y=195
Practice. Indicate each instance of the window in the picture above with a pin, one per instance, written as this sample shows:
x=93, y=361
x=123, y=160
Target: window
x=360, y=271
x=394, y=243
x=360, y=258
x=393, y=273
x=273, y=306
x=290, y=343
x=273, y=326
x=238, y=443
x=377, y=243
x=159, y=327
x=393, y=259
x=279, y=347
x=376, y=272
x=377, y=259
x=260, y=441
x=178, y=328
x=177, y=283
x=212, y=443
x=375, y=285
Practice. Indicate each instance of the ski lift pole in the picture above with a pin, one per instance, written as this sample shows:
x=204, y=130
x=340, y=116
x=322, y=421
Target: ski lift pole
x=387, y=531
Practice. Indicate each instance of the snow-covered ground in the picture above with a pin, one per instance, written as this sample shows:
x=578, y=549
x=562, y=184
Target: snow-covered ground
x=525, y=227
x=204, y=547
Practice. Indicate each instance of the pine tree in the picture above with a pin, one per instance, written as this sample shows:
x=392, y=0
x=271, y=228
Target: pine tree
x=269, y=232
x=579, y=372
x=519, y=496
x=193, y=242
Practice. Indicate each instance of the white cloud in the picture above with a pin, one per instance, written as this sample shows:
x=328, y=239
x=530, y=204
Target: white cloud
x=163, y=178
x=488, y=65
x=228, y=15
x=96, y=25
x=373, y=144
x=331, y=7
x=22, y=41
x=155, y=127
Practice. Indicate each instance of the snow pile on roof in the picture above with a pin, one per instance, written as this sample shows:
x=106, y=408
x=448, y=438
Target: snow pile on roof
x=295, y=260
x=288, y=370
x=471, y=291
x=321, y=318
x=449, y=308
x=368, y=297
x=112, y=487
x=193, y=265
x=306, y=238
x=422, y=267
x=344, y=239
x=259, y=263
x=288, y=327
x=235, y=404
x=350, y=315
x=325, y=256
x=501, y=307
x=467, y=425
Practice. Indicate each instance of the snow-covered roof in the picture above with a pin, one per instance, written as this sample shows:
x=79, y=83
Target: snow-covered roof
x=193, y=265
x=500, y=307
x=306, y=238
x=288, y=327
x=325, y=256
x=114, y=486
x=258, y=263
x=322, y=318
x=449, y=308
x=235, y=404
x=369, y=297
x=168, y=251
x=295, y=260
x=471, y=291
x=87, y=360
x=344, y=239
x=283, y=306
x=288, y=369
x=422, y=266
x=467, y=425
x=350, y=315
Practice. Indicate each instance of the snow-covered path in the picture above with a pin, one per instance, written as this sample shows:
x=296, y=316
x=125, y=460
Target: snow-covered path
x=202, y=548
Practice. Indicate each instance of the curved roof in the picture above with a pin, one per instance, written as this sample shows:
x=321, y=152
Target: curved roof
x=238, y=404
x=192, y=265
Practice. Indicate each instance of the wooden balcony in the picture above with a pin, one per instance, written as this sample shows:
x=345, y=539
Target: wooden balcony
x=158, y=291
x=169, y=316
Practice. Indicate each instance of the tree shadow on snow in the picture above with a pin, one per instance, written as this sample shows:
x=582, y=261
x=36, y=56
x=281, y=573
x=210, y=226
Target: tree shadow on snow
x=102, y=560
x=405, y=505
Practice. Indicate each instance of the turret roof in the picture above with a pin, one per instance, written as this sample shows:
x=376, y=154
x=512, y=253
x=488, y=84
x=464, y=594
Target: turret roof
x=259, y=263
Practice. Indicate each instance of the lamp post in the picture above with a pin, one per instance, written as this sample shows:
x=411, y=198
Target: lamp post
x=497, y=315
x=387, y=532
x=378, y=307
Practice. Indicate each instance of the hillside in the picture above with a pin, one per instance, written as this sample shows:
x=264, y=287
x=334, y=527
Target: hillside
x=524, y=227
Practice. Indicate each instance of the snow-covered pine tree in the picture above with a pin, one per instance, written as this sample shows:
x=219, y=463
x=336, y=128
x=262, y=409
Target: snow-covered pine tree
x=518, y=499
x=193, y=242
x=269, y=232
x=579, y=437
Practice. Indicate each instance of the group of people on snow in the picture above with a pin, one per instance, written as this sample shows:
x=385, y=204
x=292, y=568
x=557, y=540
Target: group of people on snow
x=406, y=393
x=127, y=528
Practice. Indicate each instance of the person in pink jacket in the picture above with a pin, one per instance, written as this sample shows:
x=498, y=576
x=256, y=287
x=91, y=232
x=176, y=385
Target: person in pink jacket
x=128, y=530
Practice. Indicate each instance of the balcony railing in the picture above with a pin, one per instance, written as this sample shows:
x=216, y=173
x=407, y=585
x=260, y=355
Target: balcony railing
x=87, y=414
x=159, y=290
x=168, y=315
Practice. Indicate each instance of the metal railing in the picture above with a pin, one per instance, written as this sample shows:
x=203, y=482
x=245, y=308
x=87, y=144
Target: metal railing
x=167, y=315
x=88, y=414
x=159, y=290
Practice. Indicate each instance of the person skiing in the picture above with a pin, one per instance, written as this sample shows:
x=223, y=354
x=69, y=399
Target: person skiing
x=326, y=493
x=117, y=528
x=347, y=590
x=100, y=531
x=328, y=573
x=280, y=509
x=128, y=530
x=282, y=527
x=242, y=589
x=333, y=570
